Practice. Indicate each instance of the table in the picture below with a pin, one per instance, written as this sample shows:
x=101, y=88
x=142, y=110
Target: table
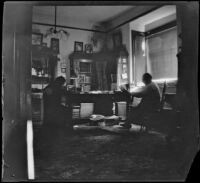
x=103, y=102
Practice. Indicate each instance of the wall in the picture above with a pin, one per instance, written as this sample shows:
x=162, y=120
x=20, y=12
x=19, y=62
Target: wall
x=160, y=22
x=187, y=88
x=16, y=56
x=66, y=44
x=128, y=15
x=137, y=26
x=16, y=64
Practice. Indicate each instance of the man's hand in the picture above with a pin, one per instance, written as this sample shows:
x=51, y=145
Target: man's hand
x=124, y=90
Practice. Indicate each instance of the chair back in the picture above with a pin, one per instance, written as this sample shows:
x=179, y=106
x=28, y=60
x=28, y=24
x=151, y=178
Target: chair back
x=163, y=96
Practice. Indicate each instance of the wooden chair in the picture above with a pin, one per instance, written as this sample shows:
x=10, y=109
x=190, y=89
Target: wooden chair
x=162, y=102
x=154, y=117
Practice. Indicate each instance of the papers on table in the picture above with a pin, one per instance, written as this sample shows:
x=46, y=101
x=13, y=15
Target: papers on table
x=97, y=117
x=113, y=117
x=100, y=92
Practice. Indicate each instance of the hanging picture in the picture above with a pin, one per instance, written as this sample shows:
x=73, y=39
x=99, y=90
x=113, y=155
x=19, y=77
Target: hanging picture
x=37, y=38
x=117, y=39
x=81, y=78
x=63, y=70
x=78, y=46
x=63, y=65
x=88, y=48
x=55, y=45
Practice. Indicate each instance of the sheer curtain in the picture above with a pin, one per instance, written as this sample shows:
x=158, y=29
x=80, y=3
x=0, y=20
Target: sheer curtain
x=139, y=60
x=161, y=54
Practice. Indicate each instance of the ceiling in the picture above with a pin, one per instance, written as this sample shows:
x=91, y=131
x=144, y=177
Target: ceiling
x=93, y=14
x=165, y=14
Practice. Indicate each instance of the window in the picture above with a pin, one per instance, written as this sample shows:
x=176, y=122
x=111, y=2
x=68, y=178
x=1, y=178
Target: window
x=161, y=54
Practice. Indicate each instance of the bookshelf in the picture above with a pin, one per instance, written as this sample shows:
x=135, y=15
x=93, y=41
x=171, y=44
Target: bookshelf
x=41, y=76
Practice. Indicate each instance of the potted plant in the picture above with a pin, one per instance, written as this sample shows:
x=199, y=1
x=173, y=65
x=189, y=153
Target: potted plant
x=99, y=38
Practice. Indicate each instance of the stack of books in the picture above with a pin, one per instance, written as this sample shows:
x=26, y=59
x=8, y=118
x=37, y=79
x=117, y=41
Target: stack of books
x=76, y=112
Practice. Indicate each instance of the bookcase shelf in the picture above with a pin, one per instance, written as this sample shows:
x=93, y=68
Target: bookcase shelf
x=42, y=67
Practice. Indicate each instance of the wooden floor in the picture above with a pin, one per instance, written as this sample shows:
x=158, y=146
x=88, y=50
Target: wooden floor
x=100, y=155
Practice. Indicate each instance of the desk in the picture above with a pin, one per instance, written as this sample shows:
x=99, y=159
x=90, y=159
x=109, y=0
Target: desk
x=103, y=103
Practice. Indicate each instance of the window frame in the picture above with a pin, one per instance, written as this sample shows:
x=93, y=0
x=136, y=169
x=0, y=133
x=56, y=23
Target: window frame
x=146, y=35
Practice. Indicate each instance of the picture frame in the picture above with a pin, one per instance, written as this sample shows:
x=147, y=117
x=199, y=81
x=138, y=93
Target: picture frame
x=88, y=48
x=63, y=70
x=63, y=65
x=81, y=78
x=55, y=45
x=37, y=38
x=78, y=46
x=117, y=39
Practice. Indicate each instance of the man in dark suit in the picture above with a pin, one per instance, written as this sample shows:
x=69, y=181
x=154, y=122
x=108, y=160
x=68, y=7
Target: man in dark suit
x=150, y=102
x=54, y=113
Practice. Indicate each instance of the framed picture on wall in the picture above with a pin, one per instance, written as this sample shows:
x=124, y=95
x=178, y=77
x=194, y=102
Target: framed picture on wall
x=88, y=48
x=81, y=78
x=63, y=65
x=37, y=38
x=78, y=46
x=63, y=70
x=55, y=45
x=117, y=39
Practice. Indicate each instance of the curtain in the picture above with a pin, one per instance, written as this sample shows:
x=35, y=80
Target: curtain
x=139, y=60
x=101, y=75
x=161, y=54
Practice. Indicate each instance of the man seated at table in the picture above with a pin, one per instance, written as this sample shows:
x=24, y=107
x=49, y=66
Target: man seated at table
x=150, y=102
x=54, y=113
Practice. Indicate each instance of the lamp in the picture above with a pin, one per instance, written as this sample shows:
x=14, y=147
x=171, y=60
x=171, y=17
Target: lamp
x=53, y=31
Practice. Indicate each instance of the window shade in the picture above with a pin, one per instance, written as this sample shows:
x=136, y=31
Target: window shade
x=161, y=54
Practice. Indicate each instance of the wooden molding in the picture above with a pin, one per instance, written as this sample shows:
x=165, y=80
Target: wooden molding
x=67, y=27
x=161, y=28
